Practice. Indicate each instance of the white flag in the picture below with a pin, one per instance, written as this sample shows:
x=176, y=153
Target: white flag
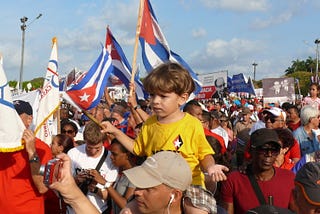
x=11, y=126
x=48, y=99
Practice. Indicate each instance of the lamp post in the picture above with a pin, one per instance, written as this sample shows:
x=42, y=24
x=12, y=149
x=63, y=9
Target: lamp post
x=23, y=29
x=254, y=70
x=317, y=41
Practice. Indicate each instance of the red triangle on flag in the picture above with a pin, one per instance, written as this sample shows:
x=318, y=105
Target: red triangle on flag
x=83, y=97
x=146, y=29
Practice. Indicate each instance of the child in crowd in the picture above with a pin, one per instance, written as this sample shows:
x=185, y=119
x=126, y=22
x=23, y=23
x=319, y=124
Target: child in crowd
x=169, y=86
x=313, y=99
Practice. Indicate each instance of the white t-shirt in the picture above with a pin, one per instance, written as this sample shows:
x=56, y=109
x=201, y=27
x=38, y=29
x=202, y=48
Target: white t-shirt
x=80, y=161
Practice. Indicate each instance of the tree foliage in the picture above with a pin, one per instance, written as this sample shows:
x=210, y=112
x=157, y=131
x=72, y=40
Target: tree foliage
x=308, y=65
x=304, y=80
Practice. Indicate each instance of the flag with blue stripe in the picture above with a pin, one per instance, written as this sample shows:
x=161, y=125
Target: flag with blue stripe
x=121, y=66
x=155, y=48
x=88, y=92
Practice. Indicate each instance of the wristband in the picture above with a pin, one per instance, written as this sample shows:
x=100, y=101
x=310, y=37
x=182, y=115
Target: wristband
x=136, y=107
x=105, y=186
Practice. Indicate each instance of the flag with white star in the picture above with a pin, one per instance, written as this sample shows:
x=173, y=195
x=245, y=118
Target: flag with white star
x=88, y=92
x=177, y=143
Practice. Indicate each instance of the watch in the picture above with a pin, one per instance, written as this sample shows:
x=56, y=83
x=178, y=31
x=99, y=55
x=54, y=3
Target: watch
x=35, y=159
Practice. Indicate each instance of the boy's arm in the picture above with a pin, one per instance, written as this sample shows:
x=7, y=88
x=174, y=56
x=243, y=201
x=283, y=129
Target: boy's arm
x=213, y=170
x=126, y=141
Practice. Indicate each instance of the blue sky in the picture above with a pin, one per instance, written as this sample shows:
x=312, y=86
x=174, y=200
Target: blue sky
x=211, y=35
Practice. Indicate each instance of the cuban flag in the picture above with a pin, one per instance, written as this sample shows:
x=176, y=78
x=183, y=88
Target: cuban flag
x=89, y=90
x=121, y=66
x=155, y=48
x=11, y=127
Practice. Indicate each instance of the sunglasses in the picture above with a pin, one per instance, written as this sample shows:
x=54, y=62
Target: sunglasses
x=267, y=151
x=67, y=131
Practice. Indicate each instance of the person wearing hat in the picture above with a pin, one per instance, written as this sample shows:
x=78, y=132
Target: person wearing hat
x=237, y=192
x=244, y=123
x=21, y=185
x=307, y=189
x=275, y=118
x=215, y=126
x=160, y=184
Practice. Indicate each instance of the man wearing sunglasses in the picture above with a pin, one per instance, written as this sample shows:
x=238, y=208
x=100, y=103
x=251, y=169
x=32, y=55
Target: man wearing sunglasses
x=237, y=193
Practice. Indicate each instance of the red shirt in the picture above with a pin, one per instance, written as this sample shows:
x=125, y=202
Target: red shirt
x=18, y=193
x=238, y=190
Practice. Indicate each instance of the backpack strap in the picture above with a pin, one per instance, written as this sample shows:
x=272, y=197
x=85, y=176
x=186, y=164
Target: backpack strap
x=255, y=186
x=103, y=158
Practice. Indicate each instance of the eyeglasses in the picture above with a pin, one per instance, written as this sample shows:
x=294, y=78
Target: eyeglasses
x=67, y=131
x=267, y=151
x=223, y=121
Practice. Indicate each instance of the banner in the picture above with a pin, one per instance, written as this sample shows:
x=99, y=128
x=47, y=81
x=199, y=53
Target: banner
x=278, y=90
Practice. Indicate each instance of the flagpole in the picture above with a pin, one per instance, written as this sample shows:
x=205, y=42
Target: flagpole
x=92, y=118
x=134, y=60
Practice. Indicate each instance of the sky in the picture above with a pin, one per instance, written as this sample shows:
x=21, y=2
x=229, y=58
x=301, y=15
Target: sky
x=211, y=35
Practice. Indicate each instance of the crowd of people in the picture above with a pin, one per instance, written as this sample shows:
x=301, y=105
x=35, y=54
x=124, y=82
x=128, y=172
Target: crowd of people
x=169, y=154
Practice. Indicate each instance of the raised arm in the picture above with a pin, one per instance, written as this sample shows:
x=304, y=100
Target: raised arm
x=126, y=141
x=68, y=188
x=34, y=160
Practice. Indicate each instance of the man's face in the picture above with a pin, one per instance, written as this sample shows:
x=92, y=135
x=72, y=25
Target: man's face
x=26, y=119
x=304, y=207
x=196, y=111
x=274, y=123
x=292, y=114
x=154, y=199
x=265, y=156
x=93, y=150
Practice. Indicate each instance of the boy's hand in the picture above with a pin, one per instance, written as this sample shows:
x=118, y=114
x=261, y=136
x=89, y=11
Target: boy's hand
x=216, y=172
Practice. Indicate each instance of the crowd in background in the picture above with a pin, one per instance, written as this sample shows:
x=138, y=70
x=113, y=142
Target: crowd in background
x=229, y=144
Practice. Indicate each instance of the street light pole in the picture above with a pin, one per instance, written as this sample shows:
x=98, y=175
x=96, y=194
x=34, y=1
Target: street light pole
x=23, y=29
x=317, y=41
x=254, y=70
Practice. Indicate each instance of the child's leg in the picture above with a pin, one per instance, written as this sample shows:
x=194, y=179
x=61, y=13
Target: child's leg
x=197, y=200
x=190, y=209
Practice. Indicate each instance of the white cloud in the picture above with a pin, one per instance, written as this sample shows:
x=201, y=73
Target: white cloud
x=200, y=32
x=235, y=55
x=273, y=20
x=237, y=5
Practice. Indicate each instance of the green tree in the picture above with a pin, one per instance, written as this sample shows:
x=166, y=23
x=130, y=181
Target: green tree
x=307, y=65
x=304, y=81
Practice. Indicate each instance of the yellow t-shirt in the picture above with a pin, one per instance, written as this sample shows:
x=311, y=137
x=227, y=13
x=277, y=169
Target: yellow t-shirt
x=185, y=136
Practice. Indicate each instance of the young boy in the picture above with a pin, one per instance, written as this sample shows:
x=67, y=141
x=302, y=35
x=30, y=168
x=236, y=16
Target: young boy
x=170, y=129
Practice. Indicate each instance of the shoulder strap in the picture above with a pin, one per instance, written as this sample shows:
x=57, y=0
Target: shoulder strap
x=103, y=158
x=255, y=186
